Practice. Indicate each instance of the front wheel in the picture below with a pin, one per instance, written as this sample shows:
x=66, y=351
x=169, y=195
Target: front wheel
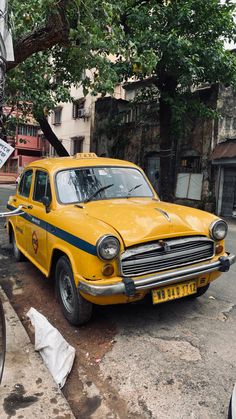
x=75, y=308
x=200, y=291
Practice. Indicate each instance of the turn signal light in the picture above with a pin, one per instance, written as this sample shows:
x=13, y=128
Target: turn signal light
x=219, y=249
x=108, y=269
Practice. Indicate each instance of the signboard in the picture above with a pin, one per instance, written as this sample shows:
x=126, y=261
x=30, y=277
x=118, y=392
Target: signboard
x=5, y=151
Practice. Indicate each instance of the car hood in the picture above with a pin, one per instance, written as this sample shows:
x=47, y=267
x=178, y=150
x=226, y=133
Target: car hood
x=138, y=220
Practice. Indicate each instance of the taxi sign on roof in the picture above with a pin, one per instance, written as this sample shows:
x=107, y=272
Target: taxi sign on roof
x=85, y=155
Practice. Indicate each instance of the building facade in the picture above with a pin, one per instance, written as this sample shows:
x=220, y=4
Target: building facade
x=29, y=145
x=73, y=122
x=224, y=154
x=204, y=177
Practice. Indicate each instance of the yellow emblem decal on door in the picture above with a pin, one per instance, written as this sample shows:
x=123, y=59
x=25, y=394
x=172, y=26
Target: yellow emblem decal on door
x=35, y=242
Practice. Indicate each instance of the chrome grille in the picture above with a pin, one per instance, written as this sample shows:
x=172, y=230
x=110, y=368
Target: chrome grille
x=166, y=254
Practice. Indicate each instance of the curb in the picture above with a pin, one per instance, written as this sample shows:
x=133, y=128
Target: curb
x=28, y=389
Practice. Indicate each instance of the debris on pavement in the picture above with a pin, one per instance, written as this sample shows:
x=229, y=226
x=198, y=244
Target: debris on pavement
x=56, y=352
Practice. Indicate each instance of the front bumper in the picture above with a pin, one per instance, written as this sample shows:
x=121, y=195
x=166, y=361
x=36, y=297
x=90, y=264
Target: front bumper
x=129, y=286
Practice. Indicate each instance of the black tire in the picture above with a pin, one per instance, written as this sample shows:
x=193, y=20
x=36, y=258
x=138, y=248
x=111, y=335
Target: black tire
x=75, y=308
x=18, y=255
x=200, y=291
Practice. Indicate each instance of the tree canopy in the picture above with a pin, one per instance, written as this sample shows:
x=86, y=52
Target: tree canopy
x=179, y=45
x=54, y=43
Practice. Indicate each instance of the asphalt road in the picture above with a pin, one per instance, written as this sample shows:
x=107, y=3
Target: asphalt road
x=176, y=360
x=5, y=192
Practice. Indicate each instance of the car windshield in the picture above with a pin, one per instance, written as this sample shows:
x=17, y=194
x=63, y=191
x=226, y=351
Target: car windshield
x=96, y=183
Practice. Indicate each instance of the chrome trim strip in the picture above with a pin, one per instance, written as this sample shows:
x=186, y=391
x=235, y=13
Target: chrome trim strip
x=170, y=256
x=99, y=242
x=167, y=256
x=164, y=213
x=212, y=225
x=153, y=246
x=155, y=280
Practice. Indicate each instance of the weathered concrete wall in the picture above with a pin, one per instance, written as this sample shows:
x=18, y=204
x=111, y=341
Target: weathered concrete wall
x=197, y=141
x=133, y=139
x=226, y=106
x=116, y=137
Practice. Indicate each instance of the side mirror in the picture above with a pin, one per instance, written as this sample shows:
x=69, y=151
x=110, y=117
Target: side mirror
x=46, y=201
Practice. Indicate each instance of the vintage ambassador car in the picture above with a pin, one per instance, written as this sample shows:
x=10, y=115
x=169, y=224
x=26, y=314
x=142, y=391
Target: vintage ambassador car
x=98, y=227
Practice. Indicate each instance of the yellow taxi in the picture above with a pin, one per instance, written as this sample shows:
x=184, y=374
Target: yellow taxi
x=99, y=228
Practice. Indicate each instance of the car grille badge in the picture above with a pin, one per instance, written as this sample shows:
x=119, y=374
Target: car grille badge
x=165, y=246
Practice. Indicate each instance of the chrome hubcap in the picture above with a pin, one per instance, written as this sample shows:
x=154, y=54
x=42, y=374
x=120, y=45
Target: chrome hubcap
x=66, y=291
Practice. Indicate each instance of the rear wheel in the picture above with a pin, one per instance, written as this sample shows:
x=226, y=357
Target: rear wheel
x=18, y=255
x=75, y=308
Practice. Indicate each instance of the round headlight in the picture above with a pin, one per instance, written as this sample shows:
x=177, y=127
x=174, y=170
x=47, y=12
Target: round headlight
x=108, y=247
x=218, y=230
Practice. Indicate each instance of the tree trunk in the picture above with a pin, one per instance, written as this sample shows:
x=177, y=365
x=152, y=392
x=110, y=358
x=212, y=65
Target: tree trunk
x=51, y=137
x=167, y=152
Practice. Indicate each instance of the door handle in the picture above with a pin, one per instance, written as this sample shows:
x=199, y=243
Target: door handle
x=27, y=206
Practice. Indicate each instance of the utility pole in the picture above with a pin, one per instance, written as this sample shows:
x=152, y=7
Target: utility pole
x=6, y=52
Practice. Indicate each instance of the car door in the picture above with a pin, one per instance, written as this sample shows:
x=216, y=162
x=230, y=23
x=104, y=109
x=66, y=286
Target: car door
x=37, y=229
x=22, y=197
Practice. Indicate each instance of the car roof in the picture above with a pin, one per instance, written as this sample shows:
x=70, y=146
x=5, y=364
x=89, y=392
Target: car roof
x=60, y=163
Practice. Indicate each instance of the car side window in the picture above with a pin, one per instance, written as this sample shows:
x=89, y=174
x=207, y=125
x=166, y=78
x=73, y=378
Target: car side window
x=41, y=186
x=25, y=183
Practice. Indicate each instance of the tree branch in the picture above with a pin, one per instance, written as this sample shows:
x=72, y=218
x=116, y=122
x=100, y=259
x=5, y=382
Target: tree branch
x=54, y=32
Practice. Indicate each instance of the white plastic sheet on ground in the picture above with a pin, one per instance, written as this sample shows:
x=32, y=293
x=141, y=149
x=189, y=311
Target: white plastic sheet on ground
x=57, y=354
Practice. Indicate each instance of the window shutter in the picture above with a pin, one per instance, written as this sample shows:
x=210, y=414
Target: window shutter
x=74, y=110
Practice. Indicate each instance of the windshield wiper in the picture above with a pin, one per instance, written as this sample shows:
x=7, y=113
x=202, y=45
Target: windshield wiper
x=103, y=188
x=133, y=189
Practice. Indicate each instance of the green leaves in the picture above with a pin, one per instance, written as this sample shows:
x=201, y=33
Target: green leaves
x=45, y=78
x=179, y=43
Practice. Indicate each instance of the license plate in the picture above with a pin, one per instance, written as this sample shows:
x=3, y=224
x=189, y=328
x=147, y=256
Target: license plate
x=172, y=292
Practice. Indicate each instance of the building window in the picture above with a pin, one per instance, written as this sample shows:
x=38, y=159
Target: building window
x=77, y=145
x=132, y=114
x=25, y=183
x=78, y=109
x=29, y=130
x=189, y=186
x=152, y=169
x=52, y=152
x=56, y=116
x=190, y=164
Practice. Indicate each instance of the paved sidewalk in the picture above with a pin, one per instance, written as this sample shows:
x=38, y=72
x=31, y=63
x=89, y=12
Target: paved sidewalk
x=28, y=390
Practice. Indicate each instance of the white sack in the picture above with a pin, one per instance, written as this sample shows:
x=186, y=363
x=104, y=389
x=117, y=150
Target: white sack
x=57, y=354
